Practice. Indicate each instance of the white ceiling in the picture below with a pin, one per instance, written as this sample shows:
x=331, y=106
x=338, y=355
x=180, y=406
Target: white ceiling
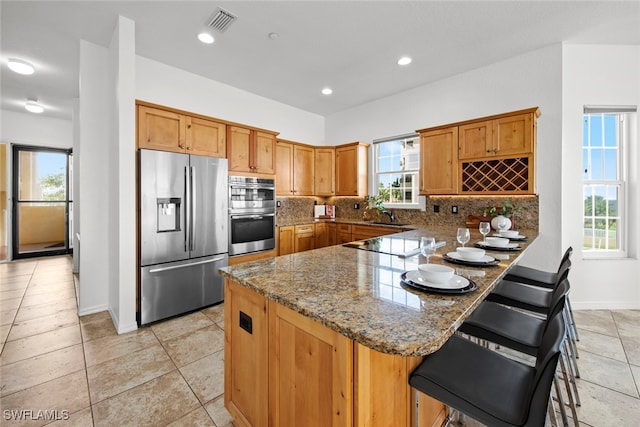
x=351, y=46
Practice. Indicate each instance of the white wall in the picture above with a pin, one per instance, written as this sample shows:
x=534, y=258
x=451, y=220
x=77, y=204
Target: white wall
x=165, y=85
x=96, y=106
x=33, y=129
x=529, y=80
x=598, y=75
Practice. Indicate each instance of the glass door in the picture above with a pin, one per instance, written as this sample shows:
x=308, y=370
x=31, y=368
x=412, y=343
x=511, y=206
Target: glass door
x=41, y=201
x=4, y=241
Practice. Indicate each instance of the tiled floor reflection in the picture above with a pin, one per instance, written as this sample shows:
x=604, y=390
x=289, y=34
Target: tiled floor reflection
x=172, y=372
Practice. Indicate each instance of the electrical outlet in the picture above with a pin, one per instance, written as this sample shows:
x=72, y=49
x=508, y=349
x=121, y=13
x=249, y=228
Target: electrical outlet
x=278, y=204
x=436, y=208
x=454, y=209
x=356, y=206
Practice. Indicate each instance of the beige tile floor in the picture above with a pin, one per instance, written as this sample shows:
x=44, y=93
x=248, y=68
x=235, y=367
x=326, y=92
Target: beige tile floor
x=58, y=365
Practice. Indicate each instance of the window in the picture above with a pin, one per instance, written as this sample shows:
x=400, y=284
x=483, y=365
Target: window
x=605, y=138
x=397, y=165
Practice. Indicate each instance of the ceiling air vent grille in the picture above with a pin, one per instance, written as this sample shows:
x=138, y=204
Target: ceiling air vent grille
x=221, y=20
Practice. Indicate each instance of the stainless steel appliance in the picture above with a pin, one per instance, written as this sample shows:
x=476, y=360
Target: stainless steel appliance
x=183, y=233
x=252, y=214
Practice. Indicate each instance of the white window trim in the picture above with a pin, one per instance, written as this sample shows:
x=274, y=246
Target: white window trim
x=625, y=161
x=422, y=200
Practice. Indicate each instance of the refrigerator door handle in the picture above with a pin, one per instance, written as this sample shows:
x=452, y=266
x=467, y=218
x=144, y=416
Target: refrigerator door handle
x=191, y=264
x=187, y=208
x=194, y=211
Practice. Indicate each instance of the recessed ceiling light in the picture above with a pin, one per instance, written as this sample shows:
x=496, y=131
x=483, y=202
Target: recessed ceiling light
x=273, y=36
x=327, y=91
x=21, y=67
x=33, y=106
x=405, y=60
x=205, y=38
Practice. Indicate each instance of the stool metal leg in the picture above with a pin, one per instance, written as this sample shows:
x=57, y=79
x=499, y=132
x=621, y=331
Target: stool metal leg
x=570, y=393
x=573, y=321
x=563, y=412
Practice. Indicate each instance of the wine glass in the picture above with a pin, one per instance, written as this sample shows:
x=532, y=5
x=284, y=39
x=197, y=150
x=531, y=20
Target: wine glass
x=463, y=236
x=428, y=247
x=484, y=228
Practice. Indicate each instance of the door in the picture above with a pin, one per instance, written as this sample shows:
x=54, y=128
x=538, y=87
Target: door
x=163, y=207
x=209, y=187
x=41, y=201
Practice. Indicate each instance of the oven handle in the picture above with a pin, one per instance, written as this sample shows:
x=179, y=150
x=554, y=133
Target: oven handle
x=251, y=216
x=253, y=187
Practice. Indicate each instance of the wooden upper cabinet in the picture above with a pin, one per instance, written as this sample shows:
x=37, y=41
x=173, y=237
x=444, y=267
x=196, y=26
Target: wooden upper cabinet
x=503, y=136
x=439, y=161
x=180, y=133
x=206, y=137
x=284, y=168
x=513, y=134
x=161, y=130
x=475, y=140
x=325, y=172
x=250, y=150
x=351, y=169
x=294, y=169
x=264, y=160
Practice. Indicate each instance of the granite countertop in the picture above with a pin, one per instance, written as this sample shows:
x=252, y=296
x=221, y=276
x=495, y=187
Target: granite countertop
x=280, y=222
x=358, y=293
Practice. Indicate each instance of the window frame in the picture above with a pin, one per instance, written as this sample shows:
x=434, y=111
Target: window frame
x=376, y=173
x=624, y=134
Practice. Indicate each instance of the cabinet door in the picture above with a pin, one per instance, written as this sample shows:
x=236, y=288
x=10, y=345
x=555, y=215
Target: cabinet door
x=324, y=181
x=284, y=169
x=239, y=149
x=245, y=355
x=342, y=237
x=513, y=135
x=310, y=372
x=264, y=156
x=475, y=140
x=303, y=170
x=351, y=170
x=161, y=130
x=321, y=235
x=332, y=238
x=439, y=161
x=206, y=138
x=305, y=239
x=286, y=237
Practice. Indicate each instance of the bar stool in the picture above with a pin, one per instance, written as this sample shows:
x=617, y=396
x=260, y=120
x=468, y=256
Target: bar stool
x=546, y=279
x=483, y=384
x=522, y=332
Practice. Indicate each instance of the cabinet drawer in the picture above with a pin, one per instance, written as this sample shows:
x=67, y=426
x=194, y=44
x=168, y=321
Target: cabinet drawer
x=343, y=228
x=304, y=229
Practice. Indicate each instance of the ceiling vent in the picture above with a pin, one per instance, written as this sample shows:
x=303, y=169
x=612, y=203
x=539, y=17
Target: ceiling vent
x=221, y=20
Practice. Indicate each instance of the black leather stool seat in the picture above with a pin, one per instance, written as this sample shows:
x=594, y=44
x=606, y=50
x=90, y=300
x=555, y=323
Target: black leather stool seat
x=488, y=386
x=532, y=276
x=522, y=296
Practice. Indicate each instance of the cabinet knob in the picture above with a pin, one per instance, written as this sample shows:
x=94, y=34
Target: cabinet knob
x=181, y=145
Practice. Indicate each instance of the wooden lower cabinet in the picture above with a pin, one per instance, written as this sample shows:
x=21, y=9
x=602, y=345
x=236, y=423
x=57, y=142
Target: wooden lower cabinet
x=305, y=238
x=310, y=372
x=284, y=369
x=286, y=240
x=245, y=355
x=321, y=235
x=332, y=238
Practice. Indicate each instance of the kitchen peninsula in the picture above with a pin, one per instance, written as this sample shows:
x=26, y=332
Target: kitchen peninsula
x=329, y=336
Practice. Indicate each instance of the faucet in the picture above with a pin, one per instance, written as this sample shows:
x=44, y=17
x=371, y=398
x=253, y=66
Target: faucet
x=392, y=217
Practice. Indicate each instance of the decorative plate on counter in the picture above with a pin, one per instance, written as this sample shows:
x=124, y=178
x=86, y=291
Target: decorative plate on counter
x=457, y=285
x=485, y=261
x=509, y=247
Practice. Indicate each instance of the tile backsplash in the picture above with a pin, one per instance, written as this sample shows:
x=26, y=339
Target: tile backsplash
x=302, y=207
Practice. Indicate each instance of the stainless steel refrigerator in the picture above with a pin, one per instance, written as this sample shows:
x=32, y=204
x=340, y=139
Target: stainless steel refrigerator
x=183, y=233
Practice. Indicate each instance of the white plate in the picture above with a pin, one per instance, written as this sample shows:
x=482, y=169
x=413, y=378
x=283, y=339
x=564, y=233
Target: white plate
x=484, y=259
x=456, y=282
x=518, y=237
x=508, y=246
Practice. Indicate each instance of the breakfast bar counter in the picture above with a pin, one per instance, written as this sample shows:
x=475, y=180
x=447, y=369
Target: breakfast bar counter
x=329, y=336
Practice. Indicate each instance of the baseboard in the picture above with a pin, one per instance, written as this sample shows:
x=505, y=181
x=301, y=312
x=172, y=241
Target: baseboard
x=122, y=329
x=605, y=305
x=92, y=310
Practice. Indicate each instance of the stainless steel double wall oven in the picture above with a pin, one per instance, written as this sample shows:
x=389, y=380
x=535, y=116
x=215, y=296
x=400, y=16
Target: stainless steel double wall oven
x=252, y=214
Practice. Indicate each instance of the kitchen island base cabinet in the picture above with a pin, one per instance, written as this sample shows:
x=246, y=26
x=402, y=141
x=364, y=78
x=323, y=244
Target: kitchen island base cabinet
x=285, y=369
